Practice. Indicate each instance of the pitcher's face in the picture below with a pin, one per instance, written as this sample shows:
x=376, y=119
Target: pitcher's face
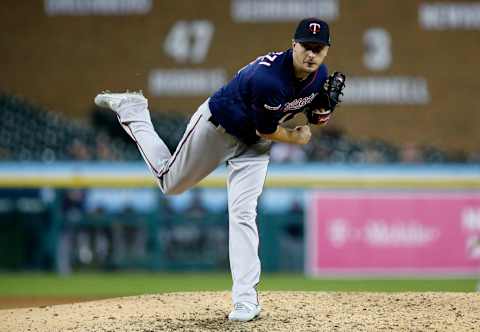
x=307, y=57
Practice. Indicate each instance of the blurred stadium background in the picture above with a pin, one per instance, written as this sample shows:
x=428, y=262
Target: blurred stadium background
x=390, y=188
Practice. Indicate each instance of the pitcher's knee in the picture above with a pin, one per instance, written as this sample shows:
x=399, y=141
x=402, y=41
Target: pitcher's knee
x=171, y=190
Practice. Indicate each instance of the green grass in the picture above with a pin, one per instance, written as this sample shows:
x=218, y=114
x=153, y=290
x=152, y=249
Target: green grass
x=119, y=284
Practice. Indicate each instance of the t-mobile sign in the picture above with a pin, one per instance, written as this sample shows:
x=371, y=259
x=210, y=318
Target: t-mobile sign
x=393, y=233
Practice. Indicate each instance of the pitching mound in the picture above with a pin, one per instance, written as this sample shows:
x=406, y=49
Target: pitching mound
x=282, y=311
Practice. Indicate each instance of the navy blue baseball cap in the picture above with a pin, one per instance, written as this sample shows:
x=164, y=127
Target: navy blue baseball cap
x=312, y=30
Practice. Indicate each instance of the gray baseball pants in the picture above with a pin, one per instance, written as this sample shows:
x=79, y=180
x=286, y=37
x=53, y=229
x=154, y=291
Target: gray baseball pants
x=202, y=148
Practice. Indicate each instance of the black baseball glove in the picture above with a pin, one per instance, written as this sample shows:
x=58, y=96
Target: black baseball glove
x=322, y=106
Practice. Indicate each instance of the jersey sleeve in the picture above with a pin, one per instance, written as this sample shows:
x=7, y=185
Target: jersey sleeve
x=267, y=103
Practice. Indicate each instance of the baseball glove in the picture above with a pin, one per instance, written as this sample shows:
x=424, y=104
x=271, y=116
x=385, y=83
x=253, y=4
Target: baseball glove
x=323, y=105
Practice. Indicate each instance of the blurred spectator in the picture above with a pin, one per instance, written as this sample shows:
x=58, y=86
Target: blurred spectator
x=474, y=157
x=196, y=210
x=296, y=207
x=73, y=204
x=323, y=144
x=370, y=155
x=285, y=153
x=410, y=154
x=165, y=207
x=292, y=238
x=73, y=210
x=103, y=148
x=78, y=151
x=128, y=237
x=4, y=154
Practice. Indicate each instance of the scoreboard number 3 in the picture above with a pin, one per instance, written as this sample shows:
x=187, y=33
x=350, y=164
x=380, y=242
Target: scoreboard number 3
x=378, y=50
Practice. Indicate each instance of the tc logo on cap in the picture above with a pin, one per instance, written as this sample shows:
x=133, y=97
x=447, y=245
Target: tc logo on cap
x=314, y=27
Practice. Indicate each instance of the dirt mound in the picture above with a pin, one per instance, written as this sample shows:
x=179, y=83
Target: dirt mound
x=282, y=311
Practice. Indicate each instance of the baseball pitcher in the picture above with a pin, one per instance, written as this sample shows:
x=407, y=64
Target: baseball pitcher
x=236, y=126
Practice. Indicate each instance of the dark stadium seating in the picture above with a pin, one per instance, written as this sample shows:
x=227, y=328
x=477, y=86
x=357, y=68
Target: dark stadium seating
x=32, y=133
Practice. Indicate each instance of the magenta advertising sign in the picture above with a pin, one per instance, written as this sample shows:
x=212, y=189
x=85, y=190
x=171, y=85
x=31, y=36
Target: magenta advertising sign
x=396, y=233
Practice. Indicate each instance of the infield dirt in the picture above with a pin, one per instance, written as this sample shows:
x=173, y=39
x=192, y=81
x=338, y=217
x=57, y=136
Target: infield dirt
x=282, y=311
